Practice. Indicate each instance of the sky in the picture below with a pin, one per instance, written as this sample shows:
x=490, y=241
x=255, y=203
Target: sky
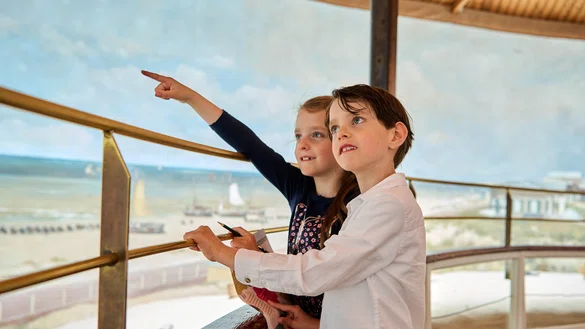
x=486, y=106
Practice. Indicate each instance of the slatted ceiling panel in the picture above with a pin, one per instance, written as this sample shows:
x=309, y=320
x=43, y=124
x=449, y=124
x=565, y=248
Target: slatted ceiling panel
x=540, y=10
x=487, y=5
x=522, y=6
x=566, y=10
x=552, y=14
x=546, y=10
x=506, y=7
x=472, y=4
x=478, y=4
x=495, y=5
x=552, y=18
x=573, y=14
x=581, y=15
x=514, y=7
x=529, y=7
x=570, y=9
x=519, y=7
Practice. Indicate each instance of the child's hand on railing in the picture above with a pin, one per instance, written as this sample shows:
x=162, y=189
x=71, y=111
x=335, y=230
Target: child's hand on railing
x=212, y=248
x=246, y=241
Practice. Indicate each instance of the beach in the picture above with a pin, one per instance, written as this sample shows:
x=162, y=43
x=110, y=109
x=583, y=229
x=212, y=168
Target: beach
x=50, y=216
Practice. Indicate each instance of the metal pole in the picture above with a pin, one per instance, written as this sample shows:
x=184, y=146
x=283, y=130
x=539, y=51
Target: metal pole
x=384, y=26
x=114, y=237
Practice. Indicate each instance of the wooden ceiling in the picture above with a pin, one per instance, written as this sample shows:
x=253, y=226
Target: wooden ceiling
x=551, y=18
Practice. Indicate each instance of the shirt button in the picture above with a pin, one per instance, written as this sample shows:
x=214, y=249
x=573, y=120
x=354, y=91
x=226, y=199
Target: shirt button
x=248, y=280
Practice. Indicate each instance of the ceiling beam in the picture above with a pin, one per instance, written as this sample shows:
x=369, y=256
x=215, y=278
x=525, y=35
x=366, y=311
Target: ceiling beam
x=478, y=18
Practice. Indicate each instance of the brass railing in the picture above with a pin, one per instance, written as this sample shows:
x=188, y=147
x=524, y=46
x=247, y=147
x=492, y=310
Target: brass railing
x=115, y=206
x=516, y=317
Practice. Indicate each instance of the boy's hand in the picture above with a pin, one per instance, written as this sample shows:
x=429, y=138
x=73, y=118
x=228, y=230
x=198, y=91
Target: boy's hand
x=295, y=317
x=211, y=247
x=170, y=88
x=246, y=241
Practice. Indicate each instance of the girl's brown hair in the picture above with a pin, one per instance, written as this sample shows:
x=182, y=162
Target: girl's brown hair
x=348, y=187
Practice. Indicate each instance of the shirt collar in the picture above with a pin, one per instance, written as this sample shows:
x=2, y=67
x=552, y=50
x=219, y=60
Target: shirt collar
x=396, y=179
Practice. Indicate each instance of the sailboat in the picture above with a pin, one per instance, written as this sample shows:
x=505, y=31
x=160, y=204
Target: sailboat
x=139, y=200
x=235, y=201
x=237, y=206
x=139, y=209
x=195, y=210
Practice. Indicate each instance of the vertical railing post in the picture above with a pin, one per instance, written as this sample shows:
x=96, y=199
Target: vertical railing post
x=411, y=187
x=114, y=237
x=508, y=218
x=508, y=236
x=384, y=26
x=517, y=317
x=428, y=312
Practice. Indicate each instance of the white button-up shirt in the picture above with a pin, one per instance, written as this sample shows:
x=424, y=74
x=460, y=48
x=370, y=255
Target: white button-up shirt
x=372, y=272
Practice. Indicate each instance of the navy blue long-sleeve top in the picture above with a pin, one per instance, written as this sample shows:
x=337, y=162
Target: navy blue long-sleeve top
x=307, y=207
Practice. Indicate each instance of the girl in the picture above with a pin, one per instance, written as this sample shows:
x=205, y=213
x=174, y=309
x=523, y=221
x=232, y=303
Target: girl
x=373, y=271
x=317, y=192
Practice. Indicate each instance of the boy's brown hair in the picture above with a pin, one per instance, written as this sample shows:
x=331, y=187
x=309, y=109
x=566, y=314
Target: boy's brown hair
x=387, y=108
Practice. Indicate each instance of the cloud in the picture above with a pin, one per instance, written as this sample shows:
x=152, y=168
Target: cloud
x=54, y=138
x=485, y=105
x=62, y=44
x=220, y=61
x=123, y=94
x=7, y=24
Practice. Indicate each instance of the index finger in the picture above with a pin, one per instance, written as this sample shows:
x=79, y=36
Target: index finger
x=154, y=76
x=242, y=231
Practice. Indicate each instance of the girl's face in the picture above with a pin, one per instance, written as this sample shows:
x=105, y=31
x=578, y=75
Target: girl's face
x=313, y=149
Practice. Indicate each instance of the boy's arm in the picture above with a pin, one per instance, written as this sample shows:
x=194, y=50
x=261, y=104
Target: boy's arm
x=368, y=244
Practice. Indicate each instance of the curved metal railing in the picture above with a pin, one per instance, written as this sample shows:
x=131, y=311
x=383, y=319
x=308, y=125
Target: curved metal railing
x=243, y=318
x=115, y=203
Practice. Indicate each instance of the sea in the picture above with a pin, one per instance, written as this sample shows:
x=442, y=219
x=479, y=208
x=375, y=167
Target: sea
x=35, y=188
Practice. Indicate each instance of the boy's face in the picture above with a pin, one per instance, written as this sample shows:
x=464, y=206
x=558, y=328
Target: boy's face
x=360, y=143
